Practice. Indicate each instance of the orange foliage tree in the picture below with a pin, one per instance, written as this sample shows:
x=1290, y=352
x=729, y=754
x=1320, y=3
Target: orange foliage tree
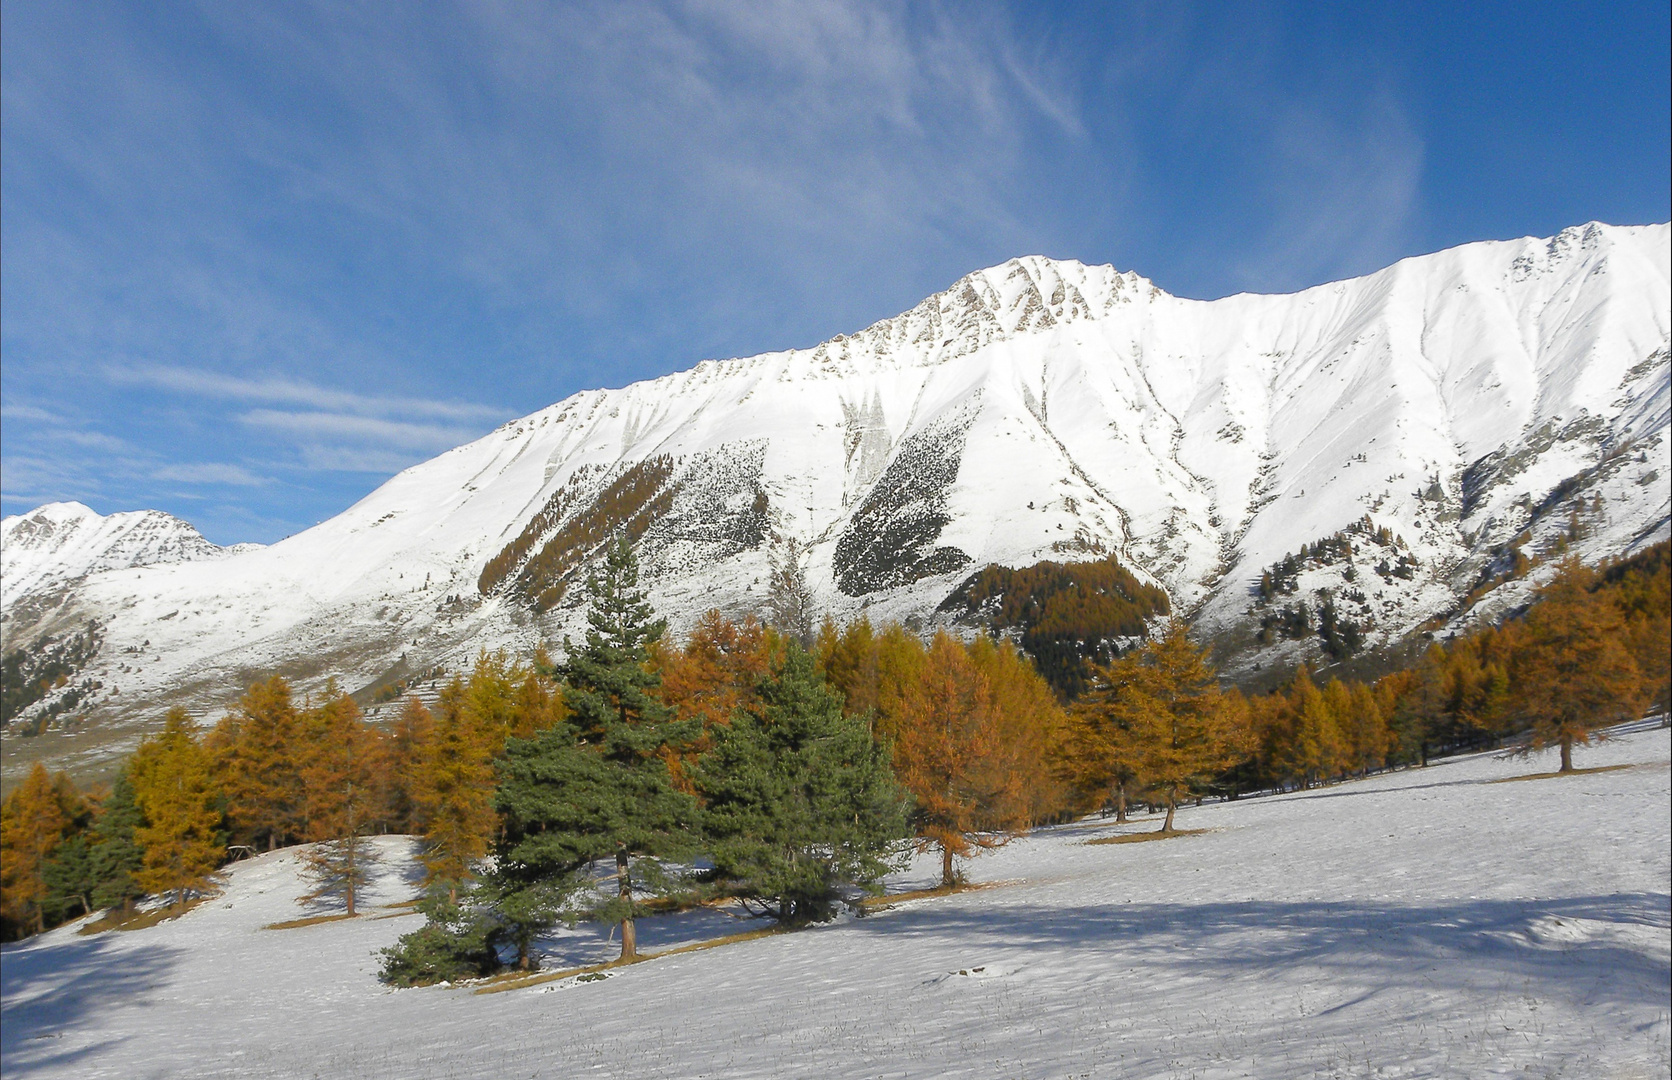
x=33, y=821
x=969, y=737
x=1159, y=711
x=1573, y=673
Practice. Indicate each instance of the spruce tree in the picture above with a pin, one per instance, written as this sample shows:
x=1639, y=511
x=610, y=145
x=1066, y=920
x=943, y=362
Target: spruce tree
x=800, y=801
x=115, y=854
x=597, y=785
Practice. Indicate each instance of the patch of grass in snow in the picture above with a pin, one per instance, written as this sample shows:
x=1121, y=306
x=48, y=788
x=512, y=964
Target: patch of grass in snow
x=512, y=981
x=882, y=903
x=312, y=920
x=1153, y=834
x=138, y=920
x=1571, y=772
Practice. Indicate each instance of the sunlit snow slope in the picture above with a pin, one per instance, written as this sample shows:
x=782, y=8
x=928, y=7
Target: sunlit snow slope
x=60, y=542
x=1035, y=410
x=1424, y=923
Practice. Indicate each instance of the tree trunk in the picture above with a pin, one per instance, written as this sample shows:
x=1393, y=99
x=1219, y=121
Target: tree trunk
x=1167, y=826
x=350, y=889
x=947, y=880
x=629, y=935
x=1567, y=753
x=1120, y=803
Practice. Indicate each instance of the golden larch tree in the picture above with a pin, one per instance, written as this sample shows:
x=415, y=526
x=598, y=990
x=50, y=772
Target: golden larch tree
x=33, y=822
x=1574, y=673
x=176, y=792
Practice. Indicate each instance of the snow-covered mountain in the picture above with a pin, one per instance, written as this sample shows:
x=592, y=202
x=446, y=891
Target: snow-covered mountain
x=1437, y=413
x=60, y=542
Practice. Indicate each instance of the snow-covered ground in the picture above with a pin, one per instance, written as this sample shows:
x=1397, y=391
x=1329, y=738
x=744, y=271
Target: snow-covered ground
x=1420, y=923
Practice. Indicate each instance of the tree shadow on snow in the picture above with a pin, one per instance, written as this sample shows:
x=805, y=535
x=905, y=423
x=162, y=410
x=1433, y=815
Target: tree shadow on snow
x=1466, y=943
x=48, y=987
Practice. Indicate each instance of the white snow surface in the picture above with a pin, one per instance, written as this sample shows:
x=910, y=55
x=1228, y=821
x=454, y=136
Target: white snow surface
x=1046, y=409
x=1424, y=923
x=60, y=542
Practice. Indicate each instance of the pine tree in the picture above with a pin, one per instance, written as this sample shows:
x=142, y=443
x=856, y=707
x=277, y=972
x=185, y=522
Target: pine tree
x=598, y=785
x=69, y=879
x=175, y=791
x=452, y=944
x=1573, y=673
x=115, y=855
x=32, y=824
x=799, y=800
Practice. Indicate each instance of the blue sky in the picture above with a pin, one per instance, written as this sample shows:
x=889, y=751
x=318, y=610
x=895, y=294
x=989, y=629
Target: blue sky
x=257, y=257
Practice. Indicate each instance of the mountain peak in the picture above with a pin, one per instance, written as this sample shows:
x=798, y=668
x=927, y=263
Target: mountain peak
x=62, y=541
x=1385, y=445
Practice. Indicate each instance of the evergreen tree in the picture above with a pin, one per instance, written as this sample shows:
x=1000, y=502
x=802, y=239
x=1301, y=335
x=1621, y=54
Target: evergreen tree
x=176, y=793
x=115, y=855
x=800, y=801
x=451, y=945
x=68, y=872
x=69, y=880
x=598, y=785
x=516, y=910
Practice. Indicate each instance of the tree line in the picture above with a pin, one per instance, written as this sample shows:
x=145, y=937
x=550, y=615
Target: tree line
x=787, y=776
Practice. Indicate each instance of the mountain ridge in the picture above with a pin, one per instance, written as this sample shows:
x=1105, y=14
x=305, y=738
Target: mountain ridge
x=1039, y=409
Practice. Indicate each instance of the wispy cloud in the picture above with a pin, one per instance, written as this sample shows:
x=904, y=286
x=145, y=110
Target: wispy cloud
x=21, y=413
x=368, y=430
x=293, y=392
x=1344, y=193
x=211, y=473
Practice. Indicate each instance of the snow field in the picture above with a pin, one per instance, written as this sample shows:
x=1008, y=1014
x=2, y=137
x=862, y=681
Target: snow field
x=1419, y=923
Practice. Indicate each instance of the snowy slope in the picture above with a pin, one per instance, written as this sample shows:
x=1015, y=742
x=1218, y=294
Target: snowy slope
x=1038, y=409
x=1423, y=923
x=60, y=542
